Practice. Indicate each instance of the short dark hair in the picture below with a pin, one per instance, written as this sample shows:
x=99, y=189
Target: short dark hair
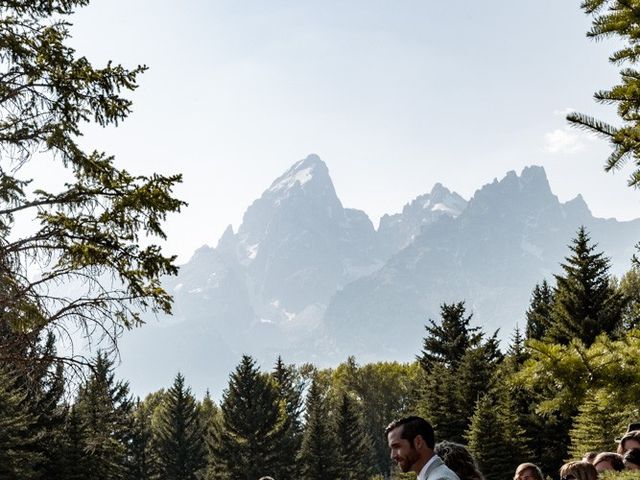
x=614, y=458
x=631, y=456
x=630, y=435
x=411, y=428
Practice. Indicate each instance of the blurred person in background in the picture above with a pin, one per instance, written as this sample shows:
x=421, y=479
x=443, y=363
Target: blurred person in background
x=608, y=461
x=631, y=459
x=578, y=471
x=459, y=459
x=528, y=471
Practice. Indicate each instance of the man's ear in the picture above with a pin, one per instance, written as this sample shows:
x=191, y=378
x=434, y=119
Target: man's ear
x=418, y=442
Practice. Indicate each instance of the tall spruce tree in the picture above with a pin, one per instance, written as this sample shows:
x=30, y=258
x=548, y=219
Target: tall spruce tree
x=104, y=409
x=496, y=440
x=290, y=389
x=179, y=434
x=539, y=312
x=142, y=463
x=595, y=427
x=355, y=448
x=586, y=304
x=317, y=457
x=447, y=341
x=18, y=460
x=87, y=231
x=475, y=375
x=440, y=402
x=252, y=423
x=212, y=420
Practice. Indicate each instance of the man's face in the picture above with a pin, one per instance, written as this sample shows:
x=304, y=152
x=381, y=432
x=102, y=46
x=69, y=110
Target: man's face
x=402, y=451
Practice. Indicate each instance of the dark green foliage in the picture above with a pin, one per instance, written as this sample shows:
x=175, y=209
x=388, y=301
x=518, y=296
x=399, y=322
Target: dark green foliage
x=585, y=302
x=18, y=460
x=317, y=457
x=539, y=312
x=104, y=409
x=595, y=427
x=516, y=353
x=142, y=462
x=618, y=18
x=629, y=287
x=385, y=390
x=179, y=434
x=447, y=341
x=496, y=440
x=475, y=373
x=441, y=404
x=212, y=420
x=290, y=388
x=355, y=453
x=73, y=464
x=459, y=365
x=89, y=230
x=253, y=423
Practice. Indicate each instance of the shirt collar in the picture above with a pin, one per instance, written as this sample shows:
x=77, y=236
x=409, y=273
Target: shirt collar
x=423, y=473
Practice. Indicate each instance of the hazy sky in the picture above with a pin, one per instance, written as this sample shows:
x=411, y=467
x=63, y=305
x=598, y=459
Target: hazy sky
x=393, y=95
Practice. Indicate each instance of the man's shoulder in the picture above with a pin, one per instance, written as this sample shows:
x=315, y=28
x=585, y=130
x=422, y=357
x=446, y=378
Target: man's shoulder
x=442, y=472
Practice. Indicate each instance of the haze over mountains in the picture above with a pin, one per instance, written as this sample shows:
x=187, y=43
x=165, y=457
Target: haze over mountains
x=306, y=278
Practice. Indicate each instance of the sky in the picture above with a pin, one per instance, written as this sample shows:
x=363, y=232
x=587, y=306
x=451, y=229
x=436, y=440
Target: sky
x=393, y=95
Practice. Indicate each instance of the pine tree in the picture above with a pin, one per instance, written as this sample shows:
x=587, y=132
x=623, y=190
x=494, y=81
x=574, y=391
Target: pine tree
x=179, y=434
x=252, y=423
x=142, y=462
x=539, y=313
x=30, y=361
x=73, y=465
x=474, y=376
x=317, y=457
x=630, y=288
x=447, y=341
x=17, y=435
x=516, y=353
x=594, y=428
x=104, y=409
x=212, y=421
x=290, y=394
x=585, y=302
x=355, y=449
x=496, y=440
x=617, y=18
x=87, y=231
x=441, y=403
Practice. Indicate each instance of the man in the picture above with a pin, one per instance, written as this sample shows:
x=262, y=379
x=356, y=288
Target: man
x=411, y=441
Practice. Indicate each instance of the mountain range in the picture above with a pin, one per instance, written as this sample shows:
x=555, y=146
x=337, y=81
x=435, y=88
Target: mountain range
x=313, y=281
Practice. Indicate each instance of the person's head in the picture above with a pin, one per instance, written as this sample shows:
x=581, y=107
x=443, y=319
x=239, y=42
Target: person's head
x=411, y=441
x=629, y=440
x=631, y=459
x=528, y=471
x=589, y=457
x=578, y=471
x=608, y=461
x=458, y=459
x=265, y=478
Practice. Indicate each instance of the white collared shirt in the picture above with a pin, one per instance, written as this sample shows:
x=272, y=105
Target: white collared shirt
x=423, y=473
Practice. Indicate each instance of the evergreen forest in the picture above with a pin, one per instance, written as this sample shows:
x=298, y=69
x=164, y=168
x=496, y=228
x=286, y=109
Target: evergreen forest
x=567, y=382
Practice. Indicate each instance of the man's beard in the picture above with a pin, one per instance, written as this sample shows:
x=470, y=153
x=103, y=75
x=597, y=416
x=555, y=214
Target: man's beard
x=411, y=458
